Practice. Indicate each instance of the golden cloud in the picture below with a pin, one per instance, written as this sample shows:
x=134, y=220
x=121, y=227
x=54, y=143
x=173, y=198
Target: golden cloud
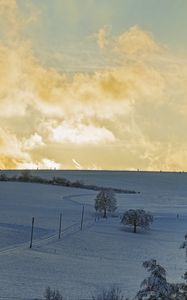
x=102, y=37
x=79, y=134
x=128, y=115
x=136, y=42
x=44, y=164
x=10, y=150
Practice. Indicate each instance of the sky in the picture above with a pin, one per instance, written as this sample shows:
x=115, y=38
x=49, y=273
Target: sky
x=93, y=84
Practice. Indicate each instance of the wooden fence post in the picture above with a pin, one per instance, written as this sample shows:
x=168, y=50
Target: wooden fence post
x=82, y=217
x=60, y=227
x=32, y=230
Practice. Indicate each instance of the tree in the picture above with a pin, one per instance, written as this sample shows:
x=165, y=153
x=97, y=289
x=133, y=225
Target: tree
x=155, y=286
x=182, y=287
x=184, y=244
x=3, y=177
x=111, y=294
x=25, y=175
x=105, y=201
x=137, y=218
x=52, y=294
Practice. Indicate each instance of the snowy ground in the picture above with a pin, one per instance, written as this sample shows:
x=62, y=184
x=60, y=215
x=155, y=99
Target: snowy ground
x=104, y=253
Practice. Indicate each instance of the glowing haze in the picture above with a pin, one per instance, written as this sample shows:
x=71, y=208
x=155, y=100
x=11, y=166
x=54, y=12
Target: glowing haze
x=93, y=85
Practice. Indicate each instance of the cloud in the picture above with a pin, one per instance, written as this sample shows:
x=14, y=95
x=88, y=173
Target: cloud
x=33, y=142
x=79, y=134
x=9, y=18
x=43, y=164
x=13, y=22
x=11, y=153
x=135, y=42
x=102, y=37
x=129, y=114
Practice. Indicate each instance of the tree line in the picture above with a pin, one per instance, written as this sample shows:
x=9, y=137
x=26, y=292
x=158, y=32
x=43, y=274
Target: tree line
x=27, y=176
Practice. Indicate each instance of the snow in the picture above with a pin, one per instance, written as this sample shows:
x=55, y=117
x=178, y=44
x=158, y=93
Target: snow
x=105, y=252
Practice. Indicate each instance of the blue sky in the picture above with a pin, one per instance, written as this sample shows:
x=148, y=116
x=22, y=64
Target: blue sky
x=68, y=27
x=69, y=21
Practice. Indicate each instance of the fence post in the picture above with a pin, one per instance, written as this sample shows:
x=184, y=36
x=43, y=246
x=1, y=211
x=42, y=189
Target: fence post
x=82, y=217
x=60, y=227
x=32, y=229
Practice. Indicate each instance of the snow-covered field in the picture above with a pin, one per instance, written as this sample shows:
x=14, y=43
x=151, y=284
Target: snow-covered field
x=104, y=252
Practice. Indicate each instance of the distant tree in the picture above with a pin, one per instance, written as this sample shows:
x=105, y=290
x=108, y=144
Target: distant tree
x=155, y=287
x=52, y=294
x=77, y=183
x=105, y=201
x=3, y=177
x=111, y=294
x=137, y=218
x=61, y=181
x=25, y=175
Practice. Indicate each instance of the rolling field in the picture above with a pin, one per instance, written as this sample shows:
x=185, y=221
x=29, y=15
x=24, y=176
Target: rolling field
x=104, y=252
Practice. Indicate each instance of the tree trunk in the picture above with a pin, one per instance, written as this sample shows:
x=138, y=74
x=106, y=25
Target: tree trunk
x=134, y=226
x=104, y=214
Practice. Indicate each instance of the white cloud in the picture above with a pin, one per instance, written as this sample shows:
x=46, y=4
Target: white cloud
x=33, y=142
x=45, y=163
x=80, y=134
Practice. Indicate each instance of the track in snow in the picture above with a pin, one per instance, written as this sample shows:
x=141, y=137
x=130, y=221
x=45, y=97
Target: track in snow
x=73, y=228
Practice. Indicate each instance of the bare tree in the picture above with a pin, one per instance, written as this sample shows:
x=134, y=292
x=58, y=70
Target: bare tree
x=52, y=294
x=25, y=175
x=111, y=294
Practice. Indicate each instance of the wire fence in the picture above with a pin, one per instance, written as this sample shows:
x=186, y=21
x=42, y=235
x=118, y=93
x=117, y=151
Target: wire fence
x=84, y=223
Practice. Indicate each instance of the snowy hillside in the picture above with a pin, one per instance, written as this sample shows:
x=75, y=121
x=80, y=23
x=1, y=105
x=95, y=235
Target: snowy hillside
x=104, y=252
